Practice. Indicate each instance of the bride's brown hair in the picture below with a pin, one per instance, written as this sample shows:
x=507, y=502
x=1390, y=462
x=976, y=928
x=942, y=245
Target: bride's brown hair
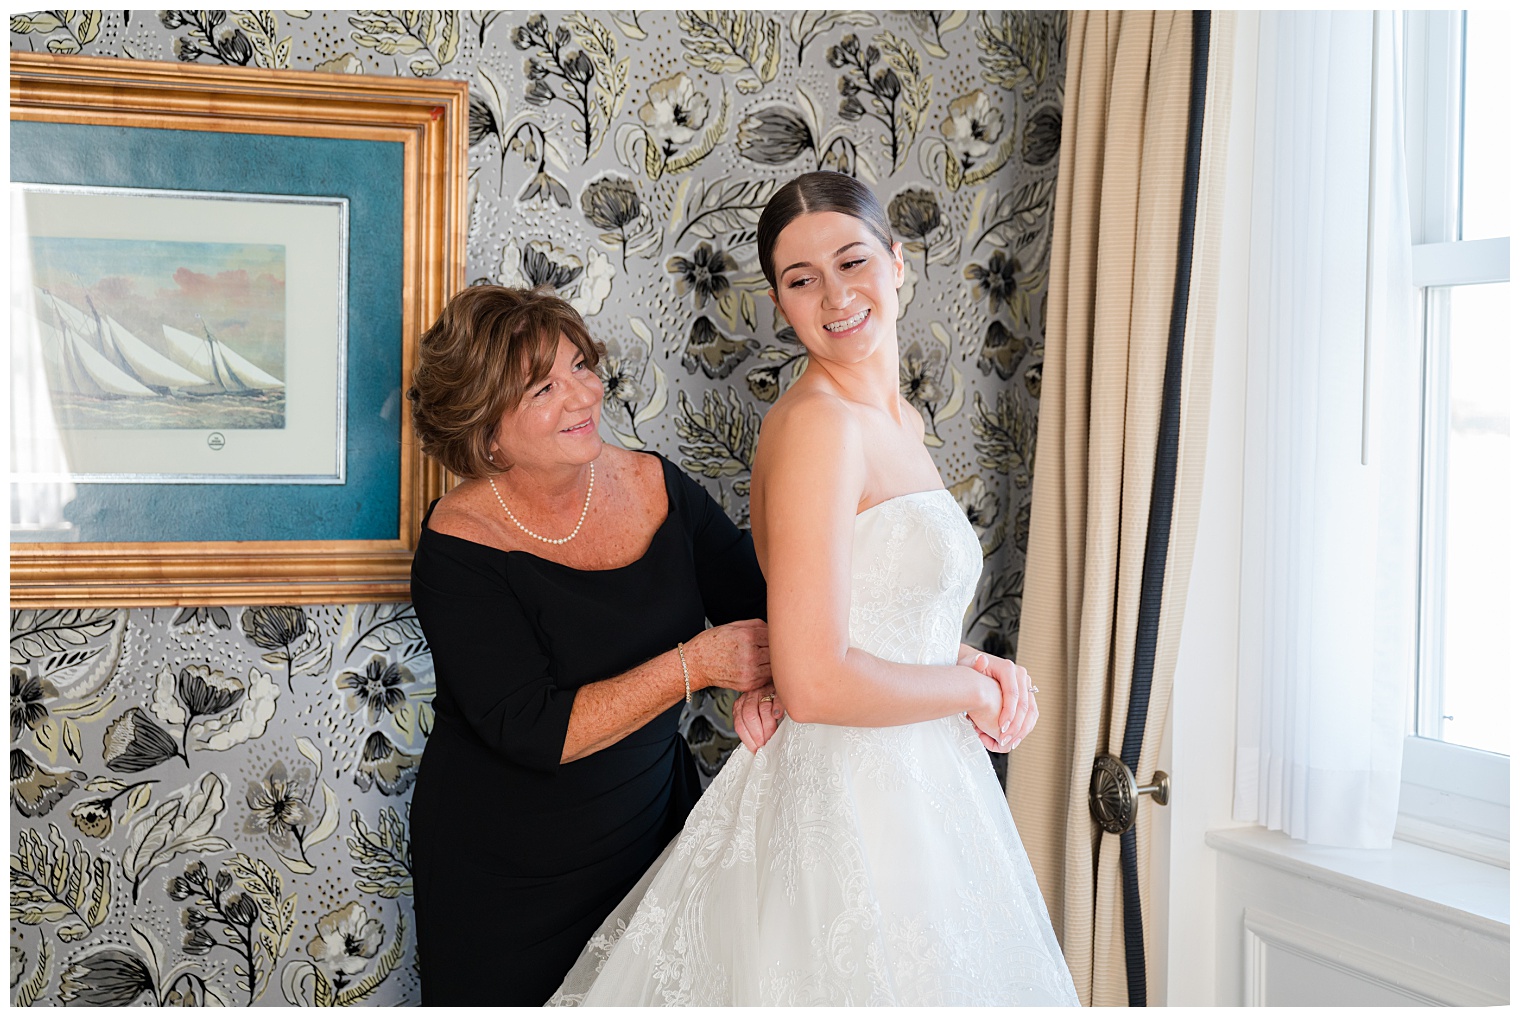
x=823, y=191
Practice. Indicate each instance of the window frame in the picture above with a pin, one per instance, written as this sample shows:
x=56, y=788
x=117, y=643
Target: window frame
x=1453, y=797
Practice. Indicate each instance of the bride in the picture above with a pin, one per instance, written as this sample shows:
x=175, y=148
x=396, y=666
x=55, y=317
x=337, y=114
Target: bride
x=866, y=855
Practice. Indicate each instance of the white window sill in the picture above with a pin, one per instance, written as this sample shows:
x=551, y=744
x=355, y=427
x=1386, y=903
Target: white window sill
x=1455, y=799
x=1456, y=890
x=1452, y=840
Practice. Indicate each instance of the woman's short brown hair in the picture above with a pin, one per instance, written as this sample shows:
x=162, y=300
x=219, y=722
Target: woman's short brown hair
x=490, y=344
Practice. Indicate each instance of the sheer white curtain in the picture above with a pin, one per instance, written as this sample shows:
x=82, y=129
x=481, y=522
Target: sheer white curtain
x=1332, y=441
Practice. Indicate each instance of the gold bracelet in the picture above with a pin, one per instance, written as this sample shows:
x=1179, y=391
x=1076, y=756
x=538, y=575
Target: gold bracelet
x=685, y=674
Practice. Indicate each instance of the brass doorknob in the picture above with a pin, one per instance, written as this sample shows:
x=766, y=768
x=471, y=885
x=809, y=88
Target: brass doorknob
x=1113, y=795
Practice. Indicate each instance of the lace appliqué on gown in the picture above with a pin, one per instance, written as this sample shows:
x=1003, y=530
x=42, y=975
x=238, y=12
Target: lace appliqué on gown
x=838, y=866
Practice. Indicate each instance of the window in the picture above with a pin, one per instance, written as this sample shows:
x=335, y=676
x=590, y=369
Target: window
x=1457, y=137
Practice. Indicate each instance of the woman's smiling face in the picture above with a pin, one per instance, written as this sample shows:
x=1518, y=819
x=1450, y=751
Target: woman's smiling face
x=556, y=422
x=837, y=285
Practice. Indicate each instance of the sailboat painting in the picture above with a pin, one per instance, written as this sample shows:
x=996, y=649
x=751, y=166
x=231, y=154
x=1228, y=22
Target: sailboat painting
x=161, y=334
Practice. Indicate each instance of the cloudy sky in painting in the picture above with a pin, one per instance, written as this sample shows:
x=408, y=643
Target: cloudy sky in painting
x=238, y=290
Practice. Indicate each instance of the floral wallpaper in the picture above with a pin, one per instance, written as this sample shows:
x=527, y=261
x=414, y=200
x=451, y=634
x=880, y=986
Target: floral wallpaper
x=210, y=804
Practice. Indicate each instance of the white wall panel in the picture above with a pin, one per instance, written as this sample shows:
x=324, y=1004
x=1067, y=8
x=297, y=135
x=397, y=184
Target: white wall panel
x=1288, y=938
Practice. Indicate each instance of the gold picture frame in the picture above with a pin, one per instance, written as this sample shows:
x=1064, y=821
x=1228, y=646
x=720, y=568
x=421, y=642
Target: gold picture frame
x=428, y=119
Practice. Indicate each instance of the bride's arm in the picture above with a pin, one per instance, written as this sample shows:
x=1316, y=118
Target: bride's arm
x=809, y=477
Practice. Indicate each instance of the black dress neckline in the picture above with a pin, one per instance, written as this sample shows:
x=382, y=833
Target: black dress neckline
x=670, y=504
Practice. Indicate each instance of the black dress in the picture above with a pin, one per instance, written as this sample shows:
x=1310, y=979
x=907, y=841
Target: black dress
x=517, y=857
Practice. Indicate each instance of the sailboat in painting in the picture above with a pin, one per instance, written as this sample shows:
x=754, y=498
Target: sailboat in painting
x=213, y=360
x=104, y=375
x=100, y=357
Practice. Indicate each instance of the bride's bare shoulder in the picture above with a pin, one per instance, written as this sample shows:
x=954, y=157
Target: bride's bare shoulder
x=805, y=410
x=811, y=441
x=806, y=424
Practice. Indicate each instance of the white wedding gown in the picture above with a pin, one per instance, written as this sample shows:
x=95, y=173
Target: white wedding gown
x=843, y=865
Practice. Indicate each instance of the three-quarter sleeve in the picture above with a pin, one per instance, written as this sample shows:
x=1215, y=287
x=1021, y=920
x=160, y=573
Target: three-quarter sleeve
x=490, y=664
x=728, y=574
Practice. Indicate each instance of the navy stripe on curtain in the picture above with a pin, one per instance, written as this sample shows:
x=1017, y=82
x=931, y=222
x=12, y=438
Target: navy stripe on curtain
x=1159, y=527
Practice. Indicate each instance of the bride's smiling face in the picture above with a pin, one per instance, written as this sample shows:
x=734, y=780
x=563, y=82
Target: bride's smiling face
x=837, y=285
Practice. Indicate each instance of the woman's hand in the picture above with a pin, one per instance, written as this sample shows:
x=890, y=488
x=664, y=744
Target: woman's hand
x=757, y=714
x=987, y=715
x=1017, y=711
x=734, y=656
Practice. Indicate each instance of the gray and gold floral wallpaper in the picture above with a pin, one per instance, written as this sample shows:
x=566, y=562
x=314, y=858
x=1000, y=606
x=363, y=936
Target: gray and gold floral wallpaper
x=210, y=804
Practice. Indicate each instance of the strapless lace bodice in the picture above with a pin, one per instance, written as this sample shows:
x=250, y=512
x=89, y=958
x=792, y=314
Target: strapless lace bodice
x=914, y=571
x=848, y=865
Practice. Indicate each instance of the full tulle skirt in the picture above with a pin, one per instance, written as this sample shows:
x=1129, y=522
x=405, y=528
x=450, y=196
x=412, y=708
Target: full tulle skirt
x=837, y=866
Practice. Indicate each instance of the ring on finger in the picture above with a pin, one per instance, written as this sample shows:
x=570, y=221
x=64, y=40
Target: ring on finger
x=768, y=697
x=1033, y=688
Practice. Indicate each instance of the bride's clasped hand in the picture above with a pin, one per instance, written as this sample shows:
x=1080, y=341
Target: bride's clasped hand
x=1012, y=714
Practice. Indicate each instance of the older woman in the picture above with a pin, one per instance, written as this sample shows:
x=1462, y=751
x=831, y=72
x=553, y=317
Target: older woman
x=563, y=589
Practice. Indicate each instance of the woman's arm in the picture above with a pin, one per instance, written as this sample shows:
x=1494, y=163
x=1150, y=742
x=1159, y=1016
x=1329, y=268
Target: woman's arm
x=732, y=656
x=490, y=665
x=811, y=465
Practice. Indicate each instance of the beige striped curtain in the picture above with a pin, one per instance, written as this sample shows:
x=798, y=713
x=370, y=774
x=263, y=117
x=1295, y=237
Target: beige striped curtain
x=1113, y=267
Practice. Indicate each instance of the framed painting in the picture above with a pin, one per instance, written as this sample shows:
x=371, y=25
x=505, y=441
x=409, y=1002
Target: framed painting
x=219, y=277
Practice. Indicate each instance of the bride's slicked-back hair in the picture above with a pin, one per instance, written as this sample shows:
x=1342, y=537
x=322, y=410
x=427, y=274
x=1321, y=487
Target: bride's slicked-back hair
x=823, y=191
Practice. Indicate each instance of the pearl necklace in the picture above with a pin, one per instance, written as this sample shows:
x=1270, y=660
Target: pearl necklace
x=548, y=540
